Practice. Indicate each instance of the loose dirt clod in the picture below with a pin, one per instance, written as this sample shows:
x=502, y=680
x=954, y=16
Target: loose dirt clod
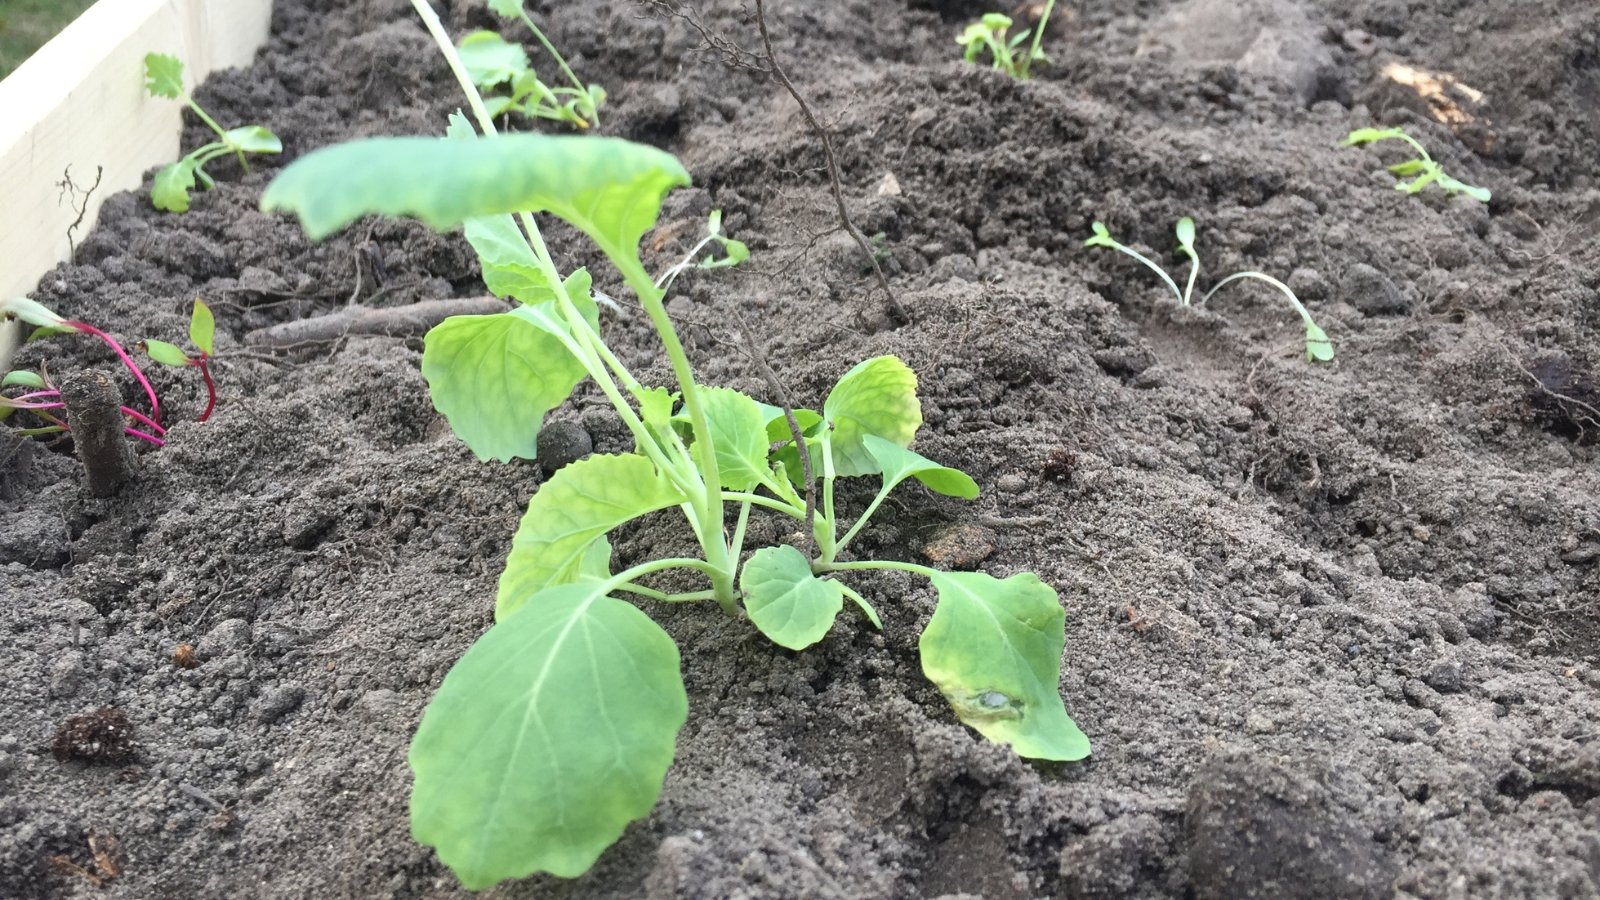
x=102, y=736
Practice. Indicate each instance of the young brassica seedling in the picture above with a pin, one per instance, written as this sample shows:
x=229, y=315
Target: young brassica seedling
x=164, y=78
x=493, y=62
x=202, y=333
x=1318, y=347
x=1425, y=169
x=557, y=726
x=990, y=33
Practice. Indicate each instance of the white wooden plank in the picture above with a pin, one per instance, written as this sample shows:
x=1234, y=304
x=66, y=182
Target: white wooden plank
x=80, y=103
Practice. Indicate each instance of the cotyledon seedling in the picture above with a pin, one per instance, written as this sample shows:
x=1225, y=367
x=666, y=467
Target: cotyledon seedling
x=1318, y=347
x=164, y=78
x=1425, y=169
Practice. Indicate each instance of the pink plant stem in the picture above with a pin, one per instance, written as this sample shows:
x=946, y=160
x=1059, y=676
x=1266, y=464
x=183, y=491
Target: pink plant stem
x=148, y=437
x=33, y=406
x=135, y=414
x=36, y=395
x=155, y=405
x=211, y=386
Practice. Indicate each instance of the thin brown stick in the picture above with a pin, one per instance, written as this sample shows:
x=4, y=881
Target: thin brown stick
x=356, y=319
x=758, y=356
x=896, y=311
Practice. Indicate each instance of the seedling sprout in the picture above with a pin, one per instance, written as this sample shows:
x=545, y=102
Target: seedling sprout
x=1425, y=169
x=170, y=192
x=991, y=33
x=1318, y=347
x=494, y=63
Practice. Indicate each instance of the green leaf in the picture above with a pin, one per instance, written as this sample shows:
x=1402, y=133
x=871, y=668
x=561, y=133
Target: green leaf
x=785, y=601
x=1363, y=136
x=23, y=378
x=509, y=267
x=1101, y=238
x=163, y=75
x=596, y=564
x=878, y=396
x=778, y=424
x=511, y=9
x=739, y=433
x=1318, y=347
x=203, y=328
x=165, y=353
x=547, y=738
x=993, y=648
x=608, y=188
x=495, y=377
x=1185, y=230
x=490, y=59
x=32, y=312
x=580, y=503
x=170, y=190
x=898, y=464
x=252, y=139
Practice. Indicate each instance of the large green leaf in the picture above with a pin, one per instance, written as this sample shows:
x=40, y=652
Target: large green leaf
x=739, y=433
x=495, y=377
x=163, y=75
x=169, y=191
x=609, y=188
x=785, y=601
x=579, y=504
x=878, y=396
x=547, y=738
x=898, y=464
x=994, y=649
x=509, y=267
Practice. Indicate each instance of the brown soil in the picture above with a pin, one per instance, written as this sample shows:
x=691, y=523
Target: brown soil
x=1331, y=628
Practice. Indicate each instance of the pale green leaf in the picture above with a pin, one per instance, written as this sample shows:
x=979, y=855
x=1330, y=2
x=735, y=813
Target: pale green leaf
x=898, y=464
x=170, y=190
x=1185, y=231
x=596, y=564
x=547, y=738
x=163, y=75
x=252, y=139
x=23, y=378
x=580, y=503
x=508, y=8
x=32, y=312
x=655, y=406
x=495, y=377
x=608, y=188
x=739, y=433
x=878, y=396
x=785, y=601
x=165, y=353
x=993, y=648
x=778, y=424
x=510, y=268
x=490, y=59
x=203, y=328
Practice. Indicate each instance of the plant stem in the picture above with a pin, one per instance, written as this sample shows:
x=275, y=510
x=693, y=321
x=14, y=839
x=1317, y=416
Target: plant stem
x=819, y=567
x=138, y=373
x=736, y=546
x=1038, y=35
x=861, y=521
x=594, y=114
x=211, y=387
x=145, y=420
x=1153, y=267
x=764, y=502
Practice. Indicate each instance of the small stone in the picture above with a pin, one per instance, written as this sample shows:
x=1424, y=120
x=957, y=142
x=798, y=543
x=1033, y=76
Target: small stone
x=1372, y=292
x=889, y=187
x=279, y=702
x=1359, y=42
x=561, y=444
x=226, y=637
x=1446, y=678
x=1422, y=533
x=1011, y=483
x=960, y=546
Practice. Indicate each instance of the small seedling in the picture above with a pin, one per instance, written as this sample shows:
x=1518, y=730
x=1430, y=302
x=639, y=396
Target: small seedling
x=42, y=397
x=202, y=333
x=493, y=63
x=1318, y=347
x=991, y=33
x=557, y=727
x=1424, y=168
x=164, y=78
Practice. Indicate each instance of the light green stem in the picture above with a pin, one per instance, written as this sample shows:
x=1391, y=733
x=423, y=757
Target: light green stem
x=736, y=546
x=765, y=503
x=1038, y=35
x=819, y=567
x=1153, y=267
x=861, y=522
x=1299, y=307
x=594, y=114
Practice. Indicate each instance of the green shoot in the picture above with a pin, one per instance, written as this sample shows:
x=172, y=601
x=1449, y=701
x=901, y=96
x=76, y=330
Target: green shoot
x=495, y=63
x=170, y=192
x=1422, y=169
x=557, y=727
x=202, y=333
x=991, y=33
x=1318, y=347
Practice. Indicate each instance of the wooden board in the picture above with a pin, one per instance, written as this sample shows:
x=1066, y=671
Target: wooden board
x=79, y=104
